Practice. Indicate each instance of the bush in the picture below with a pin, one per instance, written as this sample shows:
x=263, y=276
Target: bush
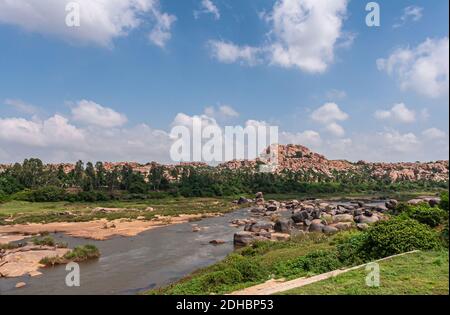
x=317, y=262
x=82, y=253
x=46, y=241
x=431, y=216
x=444, y=201
x=352, y=249
x=44, y=194
x=399, y=235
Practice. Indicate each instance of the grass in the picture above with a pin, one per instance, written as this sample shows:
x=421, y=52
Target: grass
x=78, y=254
x=422, y=273
x=246, y=267
x=40, y=212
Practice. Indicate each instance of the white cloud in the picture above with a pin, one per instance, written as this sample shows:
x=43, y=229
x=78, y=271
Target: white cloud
x=304, y=35
x=398, y=113
x=335, y=129
x=423, y=69
x=223, y=111
x=100, y=21
x=91, y=113
x=228, y=52
x=208, y=7
x=55, y=131
x=335, y=94
x=22, y=106
x=410, y=13
x=307, y=138
x=434, y=133
x=161, y=32
x=328, y=113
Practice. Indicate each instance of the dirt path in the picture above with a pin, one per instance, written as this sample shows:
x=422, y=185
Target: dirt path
x=275, y=286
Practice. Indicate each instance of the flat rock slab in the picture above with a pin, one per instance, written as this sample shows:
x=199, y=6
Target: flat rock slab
x=25, y=260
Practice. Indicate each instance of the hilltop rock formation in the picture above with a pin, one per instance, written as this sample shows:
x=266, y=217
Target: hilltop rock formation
x=300, y=159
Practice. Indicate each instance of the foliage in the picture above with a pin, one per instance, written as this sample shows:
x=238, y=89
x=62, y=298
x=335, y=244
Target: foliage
x=424, y=213
x=399, y=235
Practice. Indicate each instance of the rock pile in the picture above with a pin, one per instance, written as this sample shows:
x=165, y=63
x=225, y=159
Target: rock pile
x=310, y=216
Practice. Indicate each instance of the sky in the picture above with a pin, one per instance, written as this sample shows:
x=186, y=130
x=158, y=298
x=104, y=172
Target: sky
x=112, y=88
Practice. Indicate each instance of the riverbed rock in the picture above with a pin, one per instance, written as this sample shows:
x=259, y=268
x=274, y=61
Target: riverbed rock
x=391, y=204
x=259, y=226
x=280, y=237
x=217, y=242
x=259, y=209
x=245, y=238
x=343, y=226
x=300, y=216
x=366, y=219
x=329, y=230
x=362, y=226
x=316, y=227
x=343, y=218
x=283, y=226
x=20, y=285
x=259, y=195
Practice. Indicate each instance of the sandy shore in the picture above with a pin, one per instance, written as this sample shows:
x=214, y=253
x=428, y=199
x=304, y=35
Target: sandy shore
x=96, y=230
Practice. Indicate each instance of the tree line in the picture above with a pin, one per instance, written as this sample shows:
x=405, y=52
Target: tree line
x=34, y=181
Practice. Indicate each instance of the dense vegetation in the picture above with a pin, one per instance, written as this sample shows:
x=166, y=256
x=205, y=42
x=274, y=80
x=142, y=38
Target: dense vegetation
x=315, y=253
x=36, y=182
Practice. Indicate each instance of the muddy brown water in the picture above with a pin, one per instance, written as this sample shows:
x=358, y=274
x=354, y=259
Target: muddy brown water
x=130, y=265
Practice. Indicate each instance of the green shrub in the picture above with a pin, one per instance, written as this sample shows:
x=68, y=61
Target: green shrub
x=431, y=216
x=82, y=253
x=317, y=262
x=399, y=235
x=352, y=249
x=45, y=241
x=444, y=201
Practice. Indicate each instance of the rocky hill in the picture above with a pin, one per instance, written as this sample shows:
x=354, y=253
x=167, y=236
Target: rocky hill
x=297, y=158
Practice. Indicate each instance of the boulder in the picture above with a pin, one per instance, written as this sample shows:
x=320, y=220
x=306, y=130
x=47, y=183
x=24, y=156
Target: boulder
x=366, y=219
x=272, y=207
x=280, y=237
x=343, y=218
x=343, y=226
x=316, y=214
x=243, y=238
x=258, y=209
x=362, y=226
x=259, y=195
x=300, y=216
x=259, y=226
x=329, y=230
x=242, y=201
x=391, y=204
x=283, y=226
x=316, y=227
x=20, y=285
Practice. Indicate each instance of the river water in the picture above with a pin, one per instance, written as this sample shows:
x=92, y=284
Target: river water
x=129, y=265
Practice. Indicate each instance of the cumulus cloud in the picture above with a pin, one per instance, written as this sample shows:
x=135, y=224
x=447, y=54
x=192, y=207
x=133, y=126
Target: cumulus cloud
x=55, y=131
x=91, y=113
x=412, y=13
x=434, y=133
x=423, y=69
x=222, y=112
x=398, y=113
x=328, y=115
x=21, y=106
x=309, y=138
x=228, y=52
x=208, y=7
x=303, y=34
x=100, y=21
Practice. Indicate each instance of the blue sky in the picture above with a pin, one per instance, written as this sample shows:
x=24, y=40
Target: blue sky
x=47, y=70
